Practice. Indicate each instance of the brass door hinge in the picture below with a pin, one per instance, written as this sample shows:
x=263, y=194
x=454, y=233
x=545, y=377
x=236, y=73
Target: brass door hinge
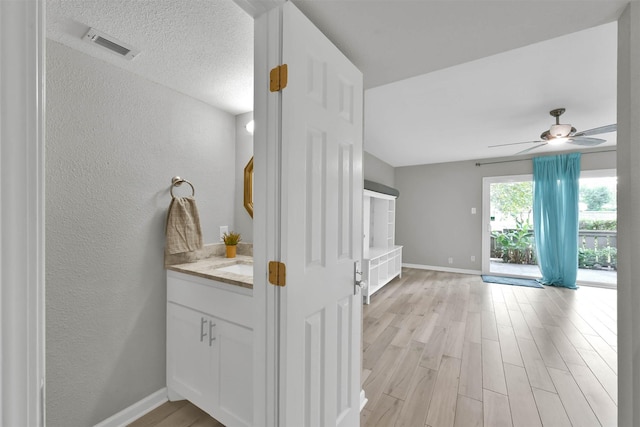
x=278, y=78
x=277, y=273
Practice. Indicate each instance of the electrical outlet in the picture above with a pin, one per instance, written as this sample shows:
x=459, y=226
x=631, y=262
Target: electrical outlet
x=450, y=260
x=473, y=258
x=473, y=211
x=223, y=229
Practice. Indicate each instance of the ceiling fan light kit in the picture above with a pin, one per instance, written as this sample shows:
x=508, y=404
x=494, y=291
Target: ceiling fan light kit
x=557, y=141
x=558, y=130
x=560, y=133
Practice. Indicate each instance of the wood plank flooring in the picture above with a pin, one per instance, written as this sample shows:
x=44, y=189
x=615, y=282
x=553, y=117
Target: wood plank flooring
x=492, y=355
x=445, y=349
x=180, y=413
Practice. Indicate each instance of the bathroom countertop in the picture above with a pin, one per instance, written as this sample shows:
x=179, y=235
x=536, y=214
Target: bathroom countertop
x=208, y=269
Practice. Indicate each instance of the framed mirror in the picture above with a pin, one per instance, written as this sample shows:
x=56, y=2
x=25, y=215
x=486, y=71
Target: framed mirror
x=248, y=187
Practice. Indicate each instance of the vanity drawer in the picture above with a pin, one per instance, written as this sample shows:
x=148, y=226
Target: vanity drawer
x=228, y=302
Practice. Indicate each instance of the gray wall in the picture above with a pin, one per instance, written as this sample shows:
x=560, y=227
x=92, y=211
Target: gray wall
x=433, y=213
x=244, y=152
x=113, y=142
x=377, y=170
x=628, y=214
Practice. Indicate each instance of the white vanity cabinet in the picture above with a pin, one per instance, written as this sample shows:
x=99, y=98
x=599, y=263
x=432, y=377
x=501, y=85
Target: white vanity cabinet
x=382, y=259
x=209, y=347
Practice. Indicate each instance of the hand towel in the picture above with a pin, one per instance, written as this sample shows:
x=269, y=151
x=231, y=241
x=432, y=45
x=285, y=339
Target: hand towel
x=183, y=226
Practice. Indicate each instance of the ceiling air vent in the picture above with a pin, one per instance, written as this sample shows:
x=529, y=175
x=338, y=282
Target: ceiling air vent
x=111, y=43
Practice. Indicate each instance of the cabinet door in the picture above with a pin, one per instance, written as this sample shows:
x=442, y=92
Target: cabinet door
x=190, y=371
x=235, y=373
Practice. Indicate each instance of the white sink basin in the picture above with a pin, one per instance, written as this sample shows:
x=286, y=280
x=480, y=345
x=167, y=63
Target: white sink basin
x=242, y=269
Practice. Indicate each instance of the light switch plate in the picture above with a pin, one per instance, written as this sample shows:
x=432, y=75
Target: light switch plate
x=473, y=211
x=223, y=229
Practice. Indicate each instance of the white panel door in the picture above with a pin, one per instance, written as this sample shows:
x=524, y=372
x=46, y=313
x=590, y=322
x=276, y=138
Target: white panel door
x=321, y=229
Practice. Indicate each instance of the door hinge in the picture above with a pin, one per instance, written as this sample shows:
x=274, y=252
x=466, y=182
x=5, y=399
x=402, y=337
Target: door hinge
x=277, y=273
x=278, y=78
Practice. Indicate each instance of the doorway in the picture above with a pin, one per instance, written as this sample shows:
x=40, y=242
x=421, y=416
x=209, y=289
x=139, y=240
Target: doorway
x=598, y=229
x=508, y=242
x=508, y=234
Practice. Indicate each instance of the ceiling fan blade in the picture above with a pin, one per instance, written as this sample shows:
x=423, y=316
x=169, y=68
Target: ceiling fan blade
x=597, y=131
x=514, y=143
x=531, y=148
x=587, y=142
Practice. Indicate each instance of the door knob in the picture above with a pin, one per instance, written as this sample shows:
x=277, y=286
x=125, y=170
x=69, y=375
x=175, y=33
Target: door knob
x=358, y=283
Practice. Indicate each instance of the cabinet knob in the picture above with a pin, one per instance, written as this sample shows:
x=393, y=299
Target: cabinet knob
x=203, y=333
x=212, y=337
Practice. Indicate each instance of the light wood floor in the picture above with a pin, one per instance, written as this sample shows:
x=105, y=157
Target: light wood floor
x=176, y=414
x=445, y=349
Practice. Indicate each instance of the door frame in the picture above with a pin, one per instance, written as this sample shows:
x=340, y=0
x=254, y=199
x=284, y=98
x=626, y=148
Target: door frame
x=266, y=214
x=22, y=261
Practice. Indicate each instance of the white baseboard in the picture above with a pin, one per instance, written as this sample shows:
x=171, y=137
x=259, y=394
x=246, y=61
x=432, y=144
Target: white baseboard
x=135, y=411
x=445, y=269
x=363, y=400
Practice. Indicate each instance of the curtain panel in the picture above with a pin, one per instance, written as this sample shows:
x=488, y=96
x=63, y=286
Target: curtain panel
x=555, y=217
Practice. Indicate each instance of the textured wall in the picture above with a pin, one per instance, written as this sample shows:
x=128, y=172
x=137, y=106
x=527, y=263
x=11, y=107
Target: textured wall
x=377, y=170
x=244, y=152
x=113, y=142
x=433, y=213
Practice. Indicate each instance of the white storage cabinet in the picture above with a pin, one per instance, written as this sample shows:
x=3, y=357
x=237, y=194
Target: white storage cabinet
x=209, y=347
x=382, y=259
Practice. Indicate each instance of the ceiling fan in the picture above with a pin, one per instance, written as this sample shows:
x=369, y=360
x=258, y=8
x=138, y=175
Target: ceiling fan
x=560, y=133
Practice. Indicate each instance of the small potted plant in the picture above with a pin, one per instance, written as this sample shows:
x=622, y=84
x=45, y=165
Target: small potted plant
x=231, y=240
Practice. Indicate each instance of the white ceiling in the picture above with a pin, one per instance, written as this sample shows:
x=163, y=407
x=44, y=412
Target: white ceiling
x=202, y=48
x=456, y=113
x=491, y=77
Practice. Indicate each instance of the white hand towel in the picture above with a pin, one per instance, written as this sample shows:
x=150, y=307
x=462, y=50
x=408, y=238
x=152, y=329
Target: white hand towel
x=183, y=226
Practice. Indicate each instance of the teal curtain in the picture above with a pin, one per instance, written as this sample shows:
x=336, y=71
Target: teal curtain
x=555, y=217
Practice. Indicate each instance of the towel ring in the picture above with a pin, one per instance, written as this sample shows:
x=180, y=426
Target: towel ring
x=176, y=181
